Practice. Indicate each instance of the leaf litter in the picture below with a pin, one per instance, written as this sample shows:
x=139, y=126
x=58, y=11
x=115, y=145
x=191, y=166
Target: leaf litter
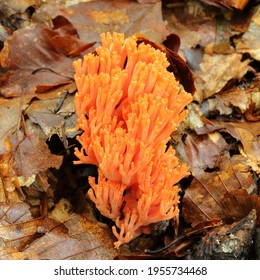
x=220, y=139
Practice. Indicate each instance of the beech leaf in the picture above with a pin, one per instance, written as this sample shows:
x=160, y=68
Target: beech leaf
x=38, y=59
x=77, y=238
x=203, y=199
x=129, y=17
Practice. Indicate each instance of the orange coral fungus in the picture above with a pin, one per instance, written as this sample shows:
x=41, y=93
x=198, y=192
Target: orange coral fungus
x=128, y=104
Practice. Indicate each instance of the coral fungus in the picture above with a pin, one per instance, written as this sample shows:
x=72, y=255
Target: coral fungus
x=128, y=104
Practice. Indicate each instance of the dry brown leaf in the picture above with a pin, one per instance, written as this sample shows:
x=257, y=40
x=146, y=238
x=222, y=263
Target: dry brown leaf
x=250, y=41
x=52, y=121
x=216, y=71
x=128, y=17
x=17, y=6
x=251, y=148
x=78, y=238
x=17, y=228
x=12, y=109
x=252, y=114
x=236, y=97
x=227, y=242
x=238, y=4
x=16, y=213
x=228, y=102
x=246, y=132
x=39, y=59
x=25, y=157
x=239, y=203
x=31, y=155
x=203, y=199
x=230, y=127
x=202, y=151
x=148, y=1
x=193, y=23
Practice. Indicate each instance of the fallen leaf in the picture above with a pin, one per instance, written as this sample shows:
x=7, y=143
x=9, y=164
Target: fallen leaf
x=192, y=22
x=249, y=42
x=148, y=1
x=38, y=59
x=178, y=246
x=252, y=114
x=251, y=148
x=16, y=213
x=203, y=199
x=77, y=238
x=227, y=103
x=11, y=108
x=82, y=240
x=202, y=151
x=15, y=16
x=238, y=4
x=128, y=17
x=240, y=203
x=18, y=7
x=246, y=132
x=226, y=242
x=31, y=155
x=230, y=127
x=223, y=68
x=55, y=113
x=17, y=228
x=236, y=97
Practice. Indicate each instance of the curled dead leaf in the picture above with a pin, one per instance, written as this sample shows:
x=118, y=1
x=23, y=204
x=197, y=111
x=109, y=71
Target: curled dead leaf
x=129, y=17
x=202, y=151
x=238, y=4
x=39, y=58
x=223, y=68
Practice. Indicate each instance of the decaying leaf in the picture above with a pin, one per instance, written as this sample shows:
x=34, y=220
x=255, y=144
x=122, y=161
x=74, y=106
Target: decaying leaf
x=54, y=113
x=129, y=17
x=236, y=97
x=252, y=114
x=31, y=155
x=202, y=151
x=193, y=23
x=12, y=109
x=147, y=1
x=17, y=7
x=77, y=238
x=223, y=68
x=245, y=132
x=203, y=200
x=16, y=213
x=9, y=179
x=238, y=4
x=239, y=202
x=227, y=242
x=16, y=229
x=179, y=245
x=250, y=41
x=38, y=59
x=25, y=157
